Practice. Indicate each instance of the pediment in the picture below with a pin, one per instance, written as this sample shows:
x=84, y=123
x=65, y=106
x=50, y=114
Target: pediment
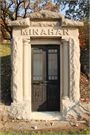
x=44, y=14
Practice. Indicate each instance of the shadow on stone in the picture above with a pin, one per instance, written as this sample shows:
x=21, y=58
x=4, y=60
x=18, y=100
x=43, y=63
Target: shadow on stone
x=6, y=80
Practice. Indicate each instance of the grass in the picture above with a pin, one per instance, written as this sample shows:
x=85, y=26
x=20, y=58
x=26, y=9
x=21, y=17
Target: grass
x=5, y=51
x=83, y=131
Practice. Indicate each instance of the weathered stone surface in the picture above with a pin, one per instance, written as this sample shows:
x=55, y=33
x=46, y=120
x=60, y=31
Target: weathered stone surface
x=50, y=14
x=68, y=22
x=45, y=14
x=16, y=61
x=20, y=73
x=73, y=111
x=21, y=23
x=20, y=110
x=74, y=56
x=45, y=23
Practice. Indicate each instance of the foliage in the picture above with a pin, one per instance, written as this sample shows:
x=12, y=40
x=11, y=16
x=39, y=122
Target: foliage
x=77, y=9
x=16, y=9
x=84, y=35
x=4, y=32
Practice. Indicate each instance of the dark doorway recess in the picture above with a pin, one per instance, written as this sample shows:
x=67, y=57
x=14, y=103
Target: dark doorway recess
x=45, y=78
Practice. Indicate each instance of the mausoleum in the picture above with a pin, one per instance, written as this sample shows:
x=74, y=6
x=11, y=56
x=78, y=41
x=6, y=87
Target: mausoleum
x=45, y=62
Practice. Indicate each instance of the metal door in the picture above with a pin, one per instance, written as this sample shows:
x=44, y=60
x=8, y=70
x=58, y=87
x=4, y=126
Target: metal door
x=45, y=78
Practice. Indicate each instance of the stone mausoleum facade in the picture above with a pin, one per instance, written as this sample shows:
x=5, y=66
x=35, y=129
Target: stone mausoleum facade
x=45, y=61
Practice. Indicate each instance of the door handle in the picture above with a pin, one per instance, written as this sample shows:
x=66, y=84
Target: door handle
x=46, y=81
x=36, y=83
x=43, y=82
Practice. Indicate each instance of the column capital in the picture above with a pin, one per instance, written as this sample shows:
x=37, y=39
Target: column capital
x=65, y=40
x=26, y=41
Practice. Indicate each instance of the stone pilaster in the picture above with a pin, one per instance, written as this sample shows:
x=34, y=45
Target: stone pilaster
x=16, y=66
x=74, y=64
x=26, y=69
x=65, y=70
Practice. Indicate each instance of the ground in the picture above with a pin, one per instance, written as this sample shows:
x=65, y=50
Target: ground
x=6, y=97
x=62, y=127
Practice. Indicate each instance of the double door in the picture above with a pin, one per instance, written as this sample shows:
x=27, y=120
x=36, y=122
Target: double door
x=45, y=78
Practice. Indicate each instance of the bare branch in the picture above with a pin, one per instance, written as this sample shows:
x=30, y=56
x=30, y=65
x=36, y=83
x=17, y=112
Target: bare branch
x=18, y=4
x=6, y=27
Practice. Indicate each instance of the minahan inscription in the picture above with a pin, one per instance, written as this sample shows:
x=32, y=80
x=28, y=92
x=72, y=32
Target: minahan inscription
x=44, y=31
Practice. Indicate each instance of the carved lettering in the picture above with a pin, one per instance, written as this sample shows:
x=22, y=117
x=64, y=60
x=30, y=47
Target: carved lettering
x=25, y=32
x=43, y=32
x=35, y=32
x=58, y=32
x=65, y=32
x=30, y=32
x=50, y=31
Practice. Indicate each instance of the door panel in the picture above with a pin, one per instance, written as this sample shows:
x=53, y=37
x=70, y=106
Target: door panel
x=38, y=98
x=45, y=78
x=53, y=97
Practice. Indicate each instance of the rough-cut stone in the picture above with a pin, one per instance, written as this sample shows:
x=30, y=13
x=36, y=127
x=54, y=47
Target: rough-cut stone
x=49, y=14
x=21, y=23
x=16, y=61
x=73, y=111
x=20, y=110
x=74, y=64
x=68, y=22
x=71, y=108
x=45, y=14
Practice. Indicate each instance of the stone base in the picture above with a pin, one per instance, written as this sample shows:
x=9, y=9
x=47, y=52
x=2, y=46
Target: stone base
x=73, y=110
x=20, y=110
x=69, y=110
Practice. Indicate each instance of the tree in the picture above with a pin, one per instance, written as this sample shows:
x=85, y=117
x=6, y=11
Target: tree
x=77, y=9
x=15, y=9
x=84, y=35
